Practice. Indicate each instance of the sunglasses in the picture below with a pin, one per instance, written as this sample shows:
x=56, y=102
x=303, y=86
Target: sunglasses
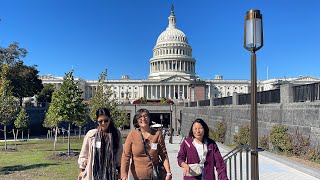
x=105, y=121
x=140, y=117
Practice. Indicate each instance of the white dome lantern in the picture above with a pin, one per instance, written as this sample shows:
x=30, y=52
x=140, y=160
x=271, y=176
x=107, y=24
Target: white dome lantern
x=172, y=54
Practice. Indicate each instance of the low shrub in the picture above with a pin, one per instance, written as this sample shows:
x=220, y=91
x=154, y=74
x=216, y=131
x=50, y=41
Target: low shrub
x=300, y=144
x=280, y=139
x=313, y=154
x=219, y=133
x=243, y=136
x=264, y=142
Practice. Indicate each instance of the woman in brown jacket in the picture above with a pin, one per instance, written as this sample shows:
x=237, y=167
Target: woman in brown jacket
x=141, y=165
x=101, y=150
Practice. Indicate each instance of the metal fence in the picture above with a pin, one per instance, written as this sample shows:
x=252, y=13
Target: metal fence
x=222, y=101
x=237, y=162
x=204, y=102
x=193, y=104
x=264, y=97
x=307, y=92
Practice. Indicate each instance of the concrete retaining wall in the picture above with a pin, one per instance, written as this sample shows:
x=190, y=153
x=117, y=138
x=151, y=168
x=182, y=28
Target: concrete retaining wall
x=304, y=116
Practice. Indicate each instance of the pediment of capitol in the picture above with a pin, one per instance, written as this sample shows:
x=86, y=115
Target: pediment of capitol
x=176, y=79
x=306, y=79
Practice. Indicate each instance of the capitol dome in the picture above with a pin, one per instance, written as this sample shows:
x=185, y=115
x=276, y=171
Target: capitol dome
x=172, y=35
x=172, y=54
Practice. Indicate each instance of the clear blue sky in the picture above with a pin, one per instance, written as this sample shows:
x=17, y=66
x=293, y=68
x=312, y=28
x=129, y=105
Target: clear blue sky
x=120, y=35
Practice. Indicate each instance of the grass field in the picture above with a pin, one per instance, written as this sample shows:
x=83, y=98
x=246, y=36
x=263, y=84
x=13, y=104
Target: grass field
x=35, y=160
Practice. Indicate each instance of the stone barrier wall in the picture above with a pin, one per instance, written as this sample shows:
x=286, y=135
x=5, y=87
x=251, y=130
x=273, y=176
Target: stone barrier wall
x=304, y=115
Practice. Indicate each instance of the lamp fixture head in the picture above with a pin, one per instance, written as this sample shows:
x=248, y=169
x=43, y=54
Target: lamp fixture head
x=253, y=31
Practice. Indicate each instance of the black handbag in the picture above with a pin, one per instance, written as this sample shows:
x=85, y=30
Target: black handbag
x=157, y=171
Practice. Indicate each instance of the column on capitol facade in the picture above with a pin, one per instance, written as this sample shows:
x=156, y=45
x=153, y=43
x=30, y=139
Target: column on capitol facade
x=147, y=96
x=165, y=91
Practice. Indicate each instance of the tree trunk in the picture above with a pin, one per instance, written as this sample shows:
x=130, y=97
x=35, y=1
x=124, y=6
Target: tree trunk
x=5, y=137
x=22, y=134
x=55, y=139
x=28, y=134
x=20, y=101
x=14, y=137
x=63, y=136
x=80, y=132
x=69, y=139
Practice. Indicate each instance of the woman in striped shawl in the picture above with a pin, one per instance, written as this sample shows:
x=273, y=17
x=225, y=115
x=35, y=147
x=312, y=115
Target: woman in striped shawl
x=101, y=150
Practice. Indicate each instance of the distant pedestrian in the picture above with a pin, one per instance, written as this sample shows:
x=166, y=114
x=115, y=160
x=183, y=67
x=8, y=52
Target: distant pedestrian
x=163, y=132
x=101, y=150
x=199, y=155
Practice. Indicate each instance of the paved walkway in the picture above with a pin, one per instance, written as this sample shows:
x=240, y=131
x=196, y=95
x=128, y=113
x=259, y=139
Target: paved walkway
x=269, y=169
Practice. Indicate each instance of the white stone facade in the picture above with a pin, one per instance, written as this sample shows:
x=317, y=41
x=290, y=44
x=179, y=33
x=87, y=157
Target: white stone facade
x=172, y=75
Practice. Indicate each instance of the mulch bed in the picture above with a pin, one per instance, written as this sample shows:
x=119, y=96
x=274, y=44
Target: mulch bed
x=64, y=156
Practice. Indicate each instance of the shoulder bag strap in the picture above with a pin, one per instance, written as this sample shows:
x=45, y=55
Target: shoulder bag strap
x=145, y=147
x=205, y=151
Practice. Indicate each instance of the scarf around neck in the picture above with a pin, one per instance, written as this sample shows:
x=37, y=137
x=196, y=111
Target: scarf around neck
x=104, y=167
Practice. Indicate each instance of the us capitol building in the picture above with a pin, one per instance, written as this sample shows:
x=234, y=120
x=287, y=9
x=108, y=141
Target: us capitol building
x=172, y=75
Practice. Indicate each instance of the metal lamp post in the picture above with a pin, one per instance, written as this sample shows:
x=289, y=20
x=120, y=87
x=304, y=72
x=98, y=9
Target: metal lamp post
x=253, y=41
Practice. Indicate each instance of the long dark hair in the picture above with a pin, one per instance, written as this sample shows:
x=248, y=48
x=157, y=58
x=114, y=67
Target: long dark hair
x=137, y=116
x=111, y=128
x=205, y=128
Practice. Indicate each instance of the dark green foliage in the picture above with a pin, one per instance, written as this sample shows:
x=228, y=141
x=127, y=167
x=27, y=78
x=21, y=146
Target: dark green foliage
x=71, y=106
x=8, y=104
x=45, y=95
x=24, y=80
x=52, y=120
x=67, y=103
x=243, y=136
x=22, y=121
x=280, y=138
x=104, y=98
x=66, y=106
x=12, y=54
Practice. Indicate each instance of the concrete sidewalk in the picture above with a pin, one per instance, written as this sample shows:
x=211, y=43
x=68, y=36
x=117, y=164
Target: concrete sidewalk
x=270, y=168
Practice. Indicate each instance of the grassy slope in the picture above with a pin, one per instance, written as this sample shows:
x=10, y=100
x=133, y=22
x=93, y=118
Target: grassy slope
x=33, y=160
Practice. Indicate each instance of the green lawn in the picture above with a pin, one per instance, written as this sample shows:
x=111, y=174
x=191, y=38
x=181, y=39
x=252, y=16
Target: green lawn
x=35, y=159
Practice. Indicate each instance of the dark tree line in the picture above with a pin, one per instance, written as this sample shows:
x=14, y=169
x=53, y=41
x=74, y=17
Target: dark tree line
x=17, y=81
x=23, y=79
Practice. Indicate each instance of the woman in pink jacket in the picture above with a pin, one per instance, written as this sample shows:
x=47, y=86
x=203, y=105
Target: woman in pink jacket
x=199, y=155
x=101, y=150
